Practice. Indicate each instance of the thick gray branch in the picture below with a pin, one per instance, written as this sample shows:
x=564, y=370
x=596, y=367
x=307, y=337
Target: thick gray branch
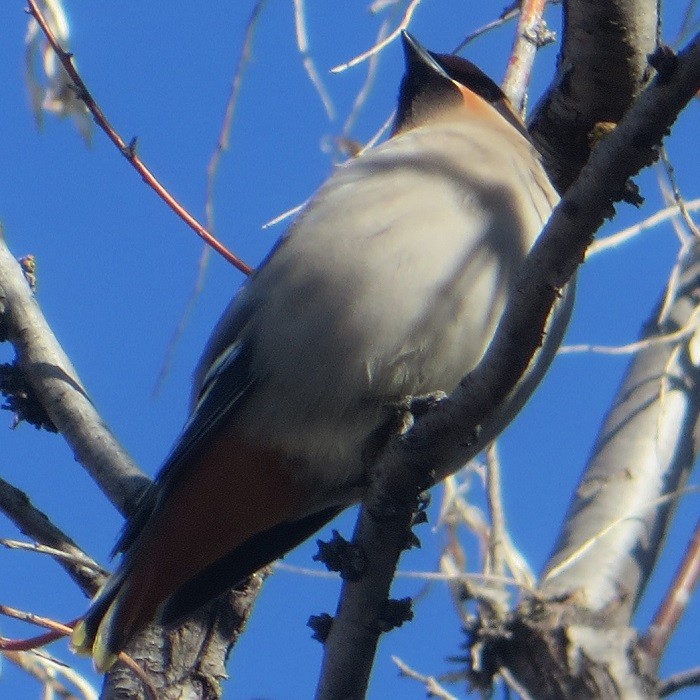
x=57, y=385
x=188, y=661
x=645, y=450
x=574, y=638
x=602, y=67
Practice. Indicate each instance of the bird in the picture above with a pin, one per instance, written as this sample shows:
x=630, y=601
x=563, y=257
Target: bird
x=389, y=285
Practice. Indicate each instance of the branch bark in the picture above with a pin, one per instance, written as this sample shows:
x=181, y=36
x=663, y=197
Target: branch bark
x=35, y=524
x=644, y=453
x=57, y=386
x=188, y=661
x=602, y=66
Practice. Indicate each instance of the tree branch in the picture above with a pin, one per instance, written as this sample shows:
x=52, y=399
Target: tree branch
x=679, y=681
x=573, y=637
x=35, y=524
x=440, y=440
x=676, y=601
x=188, y=661
x=532, y=33
x=602, y=67
x=57, y=386
x=615, y=525
x=128, y=150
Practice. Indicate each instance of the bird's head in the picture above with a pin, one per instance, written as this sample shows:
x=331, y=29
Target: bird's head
x=442, y=86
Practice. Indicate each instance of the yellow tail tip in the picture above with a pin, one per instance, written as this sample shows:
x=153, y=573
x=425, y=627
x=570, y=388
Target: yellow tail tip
x=82, y=644
x=102, y=655
x=79, y=640
x=103, y=659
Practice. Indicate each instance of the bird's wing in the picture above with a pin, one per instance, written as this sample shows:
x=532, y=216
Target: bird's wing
x=223, y=389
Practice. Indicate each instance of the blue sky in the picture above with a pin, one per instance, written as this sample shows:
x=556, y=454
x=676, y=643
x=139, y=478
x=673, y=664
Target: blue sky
x=116, y=267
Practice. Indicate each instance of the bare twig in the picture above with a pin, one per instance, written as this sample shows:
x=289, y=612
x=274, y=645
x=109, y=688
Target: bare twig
x=405, y=21
x=508, y=13
x=140, y=674
x=677, y=195
x=531, y=34
x=309, y=65
x=64, y=630
x=222, y=145
x=35, y=524
x=363, y=94
x=452, y=564
x=494, y=498
x=682, y=232
x=73, y=677
x=688, y=330
x=181, y=326
x=129, y=150
x=30, y=643
x=512, y=682
x=379, y=5
x=679, y=594
x=78, y=558
x=678, y=681
x=616, y=239
x=380, y=132
x=502, y=551
x=432, y=687
x=45, y=670
x=49, y=85
x=690, y=23
x=430, y=576
x=223, y=142
x=285, y=215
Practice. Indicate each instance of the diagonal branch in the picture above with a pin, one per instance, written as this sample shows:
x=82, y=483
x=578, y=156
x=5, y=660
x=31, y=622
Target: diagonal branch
x=222, y=145
x=129, y=150
x=680, y=592
x=440, y=439
x=57, y=385
x=35, y=524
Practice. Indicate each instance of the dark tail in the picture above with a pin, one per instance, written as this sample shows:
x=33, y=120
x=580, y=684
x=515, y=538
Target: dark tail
x=133, y=596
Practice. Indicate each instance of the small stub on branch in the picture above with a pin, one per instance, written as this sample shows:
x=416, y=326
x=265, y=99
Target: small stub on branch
x=342, y=556
x=321, y=626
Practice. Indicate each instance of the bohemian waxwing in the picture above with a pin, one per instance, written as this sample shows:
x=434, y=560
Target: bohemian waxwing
x=388, y=285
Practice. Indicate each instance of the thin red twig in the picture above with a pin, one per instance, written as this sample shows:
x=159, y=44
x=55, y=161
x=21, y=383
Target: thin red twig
x=59, y=630
x=30, y=643
x=671, y=609
x=129, y=150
